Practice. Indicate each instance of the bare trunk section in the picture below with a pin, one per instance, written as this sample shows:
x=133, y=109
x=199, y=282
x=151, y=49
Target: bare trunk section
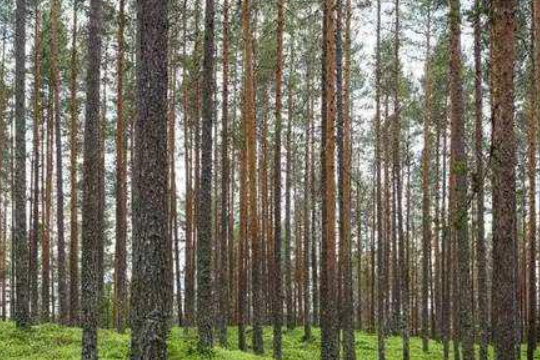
x=74, y=149
x=151, y=283
x=92, y=221
x=458, y=190
x=120, y=261
x=20, y=239
x=504, y=179
x=277, y=301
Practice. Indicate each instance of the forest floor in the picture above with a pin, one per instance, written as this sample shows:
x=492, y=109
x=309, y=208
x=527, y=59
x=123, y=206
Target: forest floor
x=61, y=343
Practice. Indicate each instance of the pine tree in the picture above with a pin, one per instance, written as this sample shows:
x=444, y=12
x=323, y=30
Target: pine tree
x=22, y=318
x=150, y=301
x=504, y=178
x=225, y=178
x=56, y=83
x=120, y=263
x=458, y=187
x=329, y=318
x=479, y=184
x=426, y=197
x=74, y=149
x=381, y=240
x=277, y=306
x=204, y=220
x=91, y=221
x=37, y=114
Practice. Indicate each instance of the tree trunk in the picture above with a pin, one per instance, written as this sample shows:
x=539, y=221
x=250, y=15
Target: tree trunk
x=120, y=261
x=344, y=182
x=204, y=221
x=61, y=248
x=73, y=142
x=34, y=234
x=458, y=186
x=504, y=179
x=426, y=197
x=151, y=285
x=225, y=178
x=479, y=184
x=329, y=320
x=22, y=319
x=381, y=241
x=277, y=303
x=92, y=223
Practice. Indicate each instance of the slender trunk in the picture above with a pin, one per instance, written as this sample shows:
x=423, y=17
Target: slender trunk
x=204, y=221
x=458, y=188
x=403, y=303
x=277, y=307
x=426, y=197
x=47, y=212
x=504, y=179
x=74, y=149
x=34, y=240
x=329, y=321
x=22, y=319
x=225, y=178
x=481, y=256
x=308, y=225
x=120, y=261
x=61, y=248
x=381, y=240
x=344, y=181
x=92, y=221
x=288, y=186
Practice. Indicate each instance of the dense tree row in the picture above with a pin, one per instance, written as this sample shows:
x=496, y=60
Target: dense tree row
x=261, y=163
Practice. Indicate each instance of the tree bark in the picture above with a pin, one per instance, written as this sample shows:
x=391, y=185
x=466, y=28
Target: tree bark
x=329, y=318
x=504, y=178
x=22, y=319
x=74, y=149
x=458, y=187
x=120, y=261
x=92, y=222
x=204, y=219
x=479, y=184
x=277, y=303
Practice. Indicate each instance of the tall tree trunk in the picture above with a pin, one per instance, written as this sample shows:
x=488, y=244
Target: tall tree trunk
x=504, y=178
x=20, y=239
x=277, y=303
x=288, y=211
x=188, y=157
x=308, y=225
x=329, y=320
x=74, y=149
x=61, y=248
x=47, y=213
x=381, y=241
x=481, y=256
x=151, y=285
x=92, y=222
x=120, y=261
x=403, y=303
x=34, y=234
x=204, y=221
x=344, y=181
x=225, y=178
x=426, y=197
x=458, y=186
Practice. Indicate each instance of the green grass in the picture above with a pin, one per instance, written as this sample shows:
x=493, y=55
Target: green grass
x=60, y=343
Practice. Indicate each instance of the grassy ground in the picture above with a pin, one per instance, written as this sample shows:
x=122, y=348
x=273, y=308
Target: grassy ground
x=59, y=343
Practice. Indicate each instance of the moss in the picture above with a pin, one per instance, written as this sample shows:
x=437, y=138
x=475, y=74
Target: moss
x=53, y=342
